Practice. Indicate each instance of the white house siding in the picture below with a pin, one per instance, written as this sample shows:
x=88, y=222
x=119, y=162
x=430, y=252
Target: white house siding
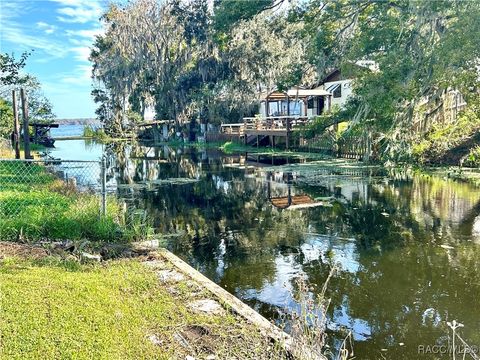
x=346, y=91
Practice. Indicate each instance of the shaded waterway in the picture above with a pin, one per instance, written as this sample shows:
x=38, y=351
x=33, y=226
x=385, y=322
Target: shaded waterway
x=405, y=245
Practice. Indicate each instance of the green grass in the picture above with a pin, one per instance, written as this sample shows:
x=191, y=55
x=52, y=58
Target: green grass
x=230, y=147
x=60, y=309
x=38, y=206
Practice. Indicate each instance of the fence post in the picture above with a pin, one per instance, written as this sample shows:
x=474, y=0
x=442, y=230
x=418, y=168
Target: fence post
x=104, y=185
x=16, y=131
x=26, y=134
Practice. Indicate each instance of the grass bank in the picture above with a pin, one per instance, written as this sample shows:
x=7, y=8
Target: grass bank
x=35, y=205
x=56, y=309
x=7, y=152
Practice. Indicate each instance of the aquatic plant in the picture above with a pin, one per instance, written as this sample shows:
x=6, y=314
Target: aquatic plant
x=307, y=324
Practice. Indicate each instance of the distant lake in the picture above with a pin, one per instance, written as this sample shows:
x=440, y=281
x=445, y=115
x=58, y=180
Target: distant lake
x=69, y=130
x=80, y=149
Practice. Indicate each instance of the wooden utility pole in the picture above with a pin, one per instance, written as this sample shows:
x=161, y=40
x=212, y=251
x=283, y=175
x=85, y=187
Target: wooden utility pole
x=26, y=134
x=16, y=130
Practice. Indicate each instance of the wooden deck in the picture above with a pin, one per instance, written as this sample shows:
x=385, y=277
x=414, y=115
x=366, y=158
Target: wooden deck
x=258, y=131
x=252, y=129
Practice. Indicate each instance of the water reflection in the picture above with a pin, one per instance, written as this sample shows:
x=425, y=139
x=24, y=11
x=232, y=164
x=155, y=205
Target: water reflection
x=405, y=244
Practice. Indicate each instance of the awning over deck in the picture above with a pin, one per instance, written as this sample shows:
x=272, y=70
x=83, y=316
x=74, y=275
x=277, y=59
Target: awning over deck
x=307, y=92
x=293, y=93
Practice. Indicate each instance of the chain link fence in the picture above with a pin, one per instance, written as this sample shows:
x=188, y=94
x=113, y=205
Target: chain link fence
x=52, y=199
x=20, y=179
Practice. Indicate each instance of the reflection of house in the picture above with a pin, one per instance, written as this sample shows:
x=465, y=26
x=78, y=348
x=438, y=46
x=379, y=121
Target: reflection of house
x=276, y=183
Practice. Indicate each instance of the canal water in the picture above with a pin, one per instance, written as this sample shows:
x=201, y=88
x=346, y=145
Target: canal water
x=405, y=245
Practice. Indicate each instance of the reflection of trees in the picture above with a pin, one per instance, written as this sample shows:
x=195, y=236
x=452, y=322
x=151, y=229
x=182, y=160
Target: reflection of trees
x=446, y=206
x=404, y=283
x=406, y=293
x=407, y=285
x=223, y=205
x=236, y=211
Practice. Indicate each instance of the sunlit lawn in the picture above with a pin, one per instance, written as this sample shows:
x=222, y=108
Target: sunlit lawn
x=52, y=309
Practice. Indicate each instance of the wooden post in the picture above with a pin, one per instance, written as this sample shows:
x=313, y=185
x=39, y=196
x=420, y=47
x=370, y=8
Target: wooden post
x=26, y=134
x=16, y=130
x=287, y=139
x=288, y=124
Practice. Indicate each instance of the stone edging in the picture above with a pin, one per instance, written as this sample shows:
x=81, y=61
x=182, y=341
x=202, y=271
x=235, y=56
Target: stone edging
x=266, y=327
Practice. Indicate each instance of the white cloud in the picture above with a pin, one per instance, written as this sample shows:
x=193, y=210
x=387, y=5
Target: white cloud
x=81, y=52
x=86, y=33
x=17, y=33
x=83, y=40
x=47, y=28
x=26, y=42
x=79, y=11
x=74, y=80
x=80, y=76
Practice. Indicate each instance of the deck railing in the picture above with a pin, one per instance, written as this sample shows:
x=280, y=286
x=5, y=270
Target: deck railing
x=281, y=123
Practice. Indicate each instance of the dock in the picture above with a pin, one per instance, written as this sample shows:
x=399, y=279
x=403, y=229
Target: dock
x=74, y=137
x=261, y=130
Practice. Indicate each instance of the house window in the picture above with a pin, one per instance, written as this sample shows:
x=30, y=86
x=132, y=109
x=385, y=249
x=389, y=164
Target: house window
x=337, y=93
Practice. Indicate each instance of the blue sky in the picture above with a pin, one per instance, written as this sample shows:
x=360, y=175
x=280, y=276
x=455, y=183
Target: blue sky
x=61, y=33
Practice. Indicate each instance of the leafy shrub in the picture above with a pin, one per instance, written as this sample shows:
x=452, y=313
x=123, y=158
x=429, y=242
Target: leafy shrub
x=442, y=138
x=95, y=133
x=473, y=158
